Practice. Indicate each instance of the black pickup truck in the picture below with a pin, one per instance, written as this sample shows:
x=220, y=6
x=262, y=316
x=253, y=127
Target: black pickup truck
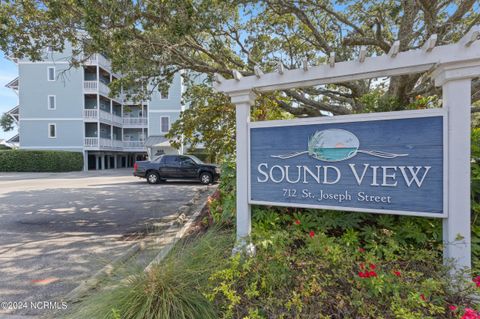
x=176, y=167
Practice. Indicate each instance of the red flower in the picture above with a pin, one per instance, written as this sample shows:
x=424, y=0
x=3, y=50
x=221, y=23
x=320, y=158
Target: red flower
x=422, y=296
x=452, y=308
x=297, y=222
x=470, y=314
x=311, y=234
x=476, y=280
x=367, y=274
x=361, y=250
x=372, y=266
x=397, y=273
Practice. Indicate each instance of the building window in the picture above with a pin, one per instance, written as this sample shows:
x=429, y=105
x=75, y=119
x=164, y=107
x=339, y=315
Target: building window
x=51, y=73
x=52, y=105
x=52, y=130
x=165, y=124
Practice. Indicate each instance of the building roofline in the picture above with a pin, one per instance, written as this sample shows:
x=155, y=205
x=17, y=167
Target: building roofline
x=11, y=85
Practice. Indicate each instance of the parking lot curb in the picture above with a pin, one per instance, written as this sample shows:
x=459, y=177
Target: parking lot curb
x=181, y=217
x=197, y=209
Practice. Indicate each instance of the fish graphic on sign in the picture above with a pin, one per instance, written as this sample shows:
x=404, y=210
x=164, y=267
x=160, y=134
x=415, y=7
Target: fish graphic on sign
x=335, y=145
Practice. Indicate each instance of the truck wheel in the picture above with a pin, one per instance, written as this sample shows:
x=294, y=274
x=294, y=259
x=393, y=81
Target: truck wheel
x=153, y=178
x=206, y=178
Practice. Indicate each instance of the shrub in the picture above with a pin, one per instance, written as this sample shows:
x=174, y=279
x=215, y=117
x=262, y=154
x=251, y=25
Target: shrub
x=40, y=161
x=171, y=289
x=308, y=274
x=222, y=208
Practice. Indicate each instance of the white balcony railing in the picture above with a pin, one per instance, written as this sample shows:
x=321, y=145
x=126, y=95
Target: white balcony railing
x=106, y=143
x=117, y=144
x=117, y=119
x=104, y=88
x=90, y=86
x=94, y=114
x=105, y=116
x=98, y=59
x=133, y=144
x=94, y=142
x=135, y=120
x=103, y=61
x=91, y=142
x=90, y=114
x=96, y=86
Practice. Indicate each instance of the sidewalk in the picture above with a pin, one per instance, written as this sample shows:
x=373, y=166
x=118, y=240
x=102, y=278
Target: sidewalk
x=15, y=176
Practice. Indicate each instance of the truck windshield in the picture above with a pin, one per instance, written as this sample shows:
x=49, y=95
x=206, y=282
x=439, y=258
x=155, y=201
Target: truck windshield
x=195, y=159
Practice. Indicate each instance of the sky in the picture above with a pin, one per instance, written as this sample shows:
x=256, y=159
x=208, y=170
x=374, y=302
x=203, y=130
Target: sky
x=8, y=98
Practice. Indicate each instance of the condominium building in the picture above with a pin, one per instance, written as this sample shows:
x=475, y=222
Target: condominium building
x=66, y=108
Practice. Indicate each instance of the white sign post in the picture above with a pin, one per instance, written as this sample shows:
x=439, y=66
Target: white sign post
x=454, y=65
x=456, y=85
x=242, y=102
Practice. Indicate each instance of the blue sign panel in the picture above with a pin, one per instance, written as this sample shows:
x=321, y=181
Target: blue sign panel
x=388, y=165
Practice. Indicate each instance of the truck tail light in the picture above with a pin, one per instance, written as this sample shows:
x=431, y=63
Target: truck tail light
x=135, y=167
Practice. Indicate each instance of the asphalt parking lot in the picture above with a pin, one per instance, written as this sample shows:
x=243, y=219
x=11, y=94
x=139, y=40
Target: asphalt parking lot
x=58, y=229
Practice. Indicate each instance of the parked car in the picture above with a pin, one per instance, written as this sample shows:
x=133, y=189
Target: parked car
x=186, y=167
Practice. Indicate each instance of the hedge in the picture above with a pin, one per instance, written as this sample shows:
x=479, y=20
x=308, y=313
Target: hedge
x=40, y=161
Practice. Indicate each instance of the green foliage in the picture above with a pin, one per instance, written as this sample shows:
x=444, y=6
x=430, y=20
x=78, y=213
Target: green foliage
x=6, y=122
x=296, y=274
x=222, y=204
x=210, y=120
x=377, y=101
x=149, y=41
x=171, y=289
x=40, y=161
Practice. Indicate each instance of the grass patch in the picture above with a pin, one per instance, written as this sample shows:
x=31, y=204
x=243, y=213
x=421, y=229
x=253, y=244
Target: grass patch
x=172, y=289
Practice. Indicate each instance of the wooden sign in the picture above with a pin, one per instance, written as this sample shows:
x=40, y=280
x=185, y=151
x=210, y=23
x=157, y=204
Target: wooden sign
x=390, y=163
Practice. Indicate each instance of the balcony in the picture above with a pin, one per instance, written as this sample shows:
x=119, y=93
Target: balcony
x=90, y=142
x=94, y=114
x=105, y=143
x=104, y=89
x=90, y=86
x=96, y=87
x=90, y=114
x=134, y=121
x=98, y=59
x=133, y=144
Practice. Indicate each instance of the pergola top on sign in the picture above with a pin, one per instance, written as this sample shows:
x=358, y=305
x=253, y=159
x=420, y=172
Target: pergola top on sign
x=395, y=63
